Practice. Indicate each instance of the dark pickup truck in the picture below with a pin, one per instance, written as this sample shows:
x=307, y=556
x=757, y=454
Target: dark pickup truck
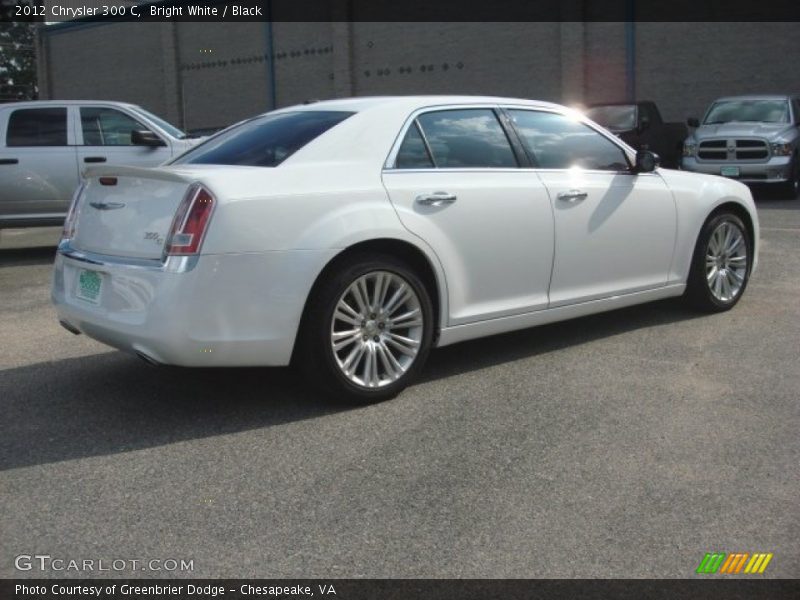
x=640, y=125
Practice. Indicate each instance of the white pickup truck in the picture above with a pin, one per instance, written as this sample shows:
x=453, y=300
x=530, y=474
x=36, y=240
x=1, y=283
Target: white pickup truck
x=45, y=145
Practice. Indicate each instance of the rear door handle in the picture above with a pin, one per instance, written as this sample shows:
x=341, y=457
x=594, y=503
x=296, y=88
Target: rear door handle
x=572, y=196
x=94, y=159
x=436, y=199
x=9, y=161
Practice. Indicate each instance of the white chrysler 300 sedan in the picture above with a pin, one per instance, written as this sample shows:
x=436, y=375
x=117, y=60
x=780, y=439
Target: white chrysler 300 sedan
x=348, y=237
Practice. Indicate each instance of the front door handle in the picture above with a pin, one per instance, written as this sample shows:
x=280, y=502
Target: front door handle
x=572, y=196
x=9, y=161
x=94, y=159
x=436, y=199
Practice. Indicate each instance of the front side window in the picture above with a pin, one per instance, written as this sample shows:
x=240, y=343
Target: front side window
x=37, y=127
x=107, y=127
x=265, y=141
x=756, y=111
x=467, y=138
x=557, y=141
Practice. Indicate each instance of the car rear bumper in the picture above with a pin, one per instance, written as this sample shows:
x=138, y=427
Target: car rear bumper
x=777, y=170
x=212, y=310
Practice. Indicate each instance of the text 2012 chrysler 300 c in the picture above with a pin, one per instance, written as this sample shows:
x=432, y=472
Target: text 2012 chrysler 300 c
x=351, y=236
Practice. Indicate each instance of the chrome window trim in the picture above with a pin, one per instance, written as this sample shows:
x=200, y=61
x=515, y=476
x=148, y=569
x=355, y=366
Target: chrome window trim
x=388, y=165
x=519, y=170
x=424, y=137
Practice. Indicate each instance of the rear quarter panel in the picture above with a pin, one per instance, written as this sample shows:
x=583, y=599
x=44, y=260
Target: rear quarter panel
x=323, y=207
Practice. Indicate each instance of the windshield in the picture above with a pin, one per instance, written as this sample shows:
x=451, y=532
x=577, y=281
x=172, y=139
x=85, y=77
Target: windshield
x=264, y=141
x=616, y=118
x=760, y=111
x=170, y=129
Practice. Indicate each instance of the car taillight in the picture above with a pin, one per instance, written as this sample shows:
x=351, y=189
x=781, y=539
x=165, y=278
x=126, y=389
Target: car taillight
x=72, y=214
x=190, y=222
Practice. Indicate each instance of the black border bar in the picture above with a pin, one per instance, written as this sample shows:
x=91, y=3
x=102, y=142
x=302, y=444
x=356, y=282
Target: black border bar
x=707, y=588
x=424, y=10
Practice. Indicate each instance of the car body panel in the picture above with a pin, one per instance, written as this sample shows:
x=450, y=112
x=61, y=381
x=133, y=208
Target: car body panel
x=495, y=241
x=696, y=197
x=228, y=310
x=618, y=240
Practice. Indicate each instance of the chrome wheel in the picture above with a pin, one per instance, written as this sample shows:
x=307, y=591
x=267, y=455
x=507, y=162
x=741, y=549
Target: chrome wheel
x=726, y=261
x=377, y=328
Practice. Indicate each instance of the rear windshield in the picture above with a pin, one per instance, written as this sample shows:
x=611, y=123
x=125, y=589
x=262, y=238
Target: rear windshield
x=265, y=141
x=615, y=117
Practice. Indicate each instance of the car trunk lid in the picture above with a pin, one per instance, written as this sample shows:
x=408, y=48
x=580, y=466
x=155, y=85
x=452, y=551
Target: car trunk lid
x=128, y=211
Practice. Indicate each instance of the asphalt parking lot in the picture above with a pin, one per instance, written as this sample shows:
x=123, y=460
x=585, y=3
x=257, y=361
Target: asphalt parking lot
x=627, y=444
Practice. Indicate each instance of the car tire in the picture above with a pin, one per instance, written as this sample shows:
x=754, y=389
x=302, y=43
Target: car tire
x=367, y=331
x=791, y=189
x=721, y=264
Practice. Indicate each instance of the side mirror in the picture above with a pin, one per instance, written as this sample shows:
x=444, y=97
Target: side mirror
x=646, y=161
x=644, y=124
x=693, y=122
x=146, y=138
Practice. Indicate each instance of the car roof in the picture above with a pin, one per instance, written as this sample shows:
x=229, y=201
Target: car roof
x=621, y=103
x=413, y=102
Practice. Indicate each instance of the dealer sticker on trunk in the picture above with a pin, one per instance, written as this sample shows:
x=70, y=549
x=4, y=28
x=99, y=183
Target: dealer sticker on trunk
x=90, y=285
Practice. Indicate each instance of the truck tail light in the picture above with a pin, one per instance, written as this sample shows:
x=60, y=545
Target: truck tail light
x=190, y=222
x=72, y=214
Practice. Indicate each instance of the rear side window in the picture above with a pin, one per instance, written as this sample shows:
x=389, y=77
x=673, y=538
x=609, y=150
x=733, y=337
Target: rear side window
x=412, y=153
x=37, y=127
x=558, y=142
x=264, y=141
x=467, y=138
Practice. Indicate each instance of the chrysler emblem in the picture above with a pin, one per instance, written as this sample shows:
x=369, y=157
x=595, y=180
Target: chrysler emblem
x=106, y=205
